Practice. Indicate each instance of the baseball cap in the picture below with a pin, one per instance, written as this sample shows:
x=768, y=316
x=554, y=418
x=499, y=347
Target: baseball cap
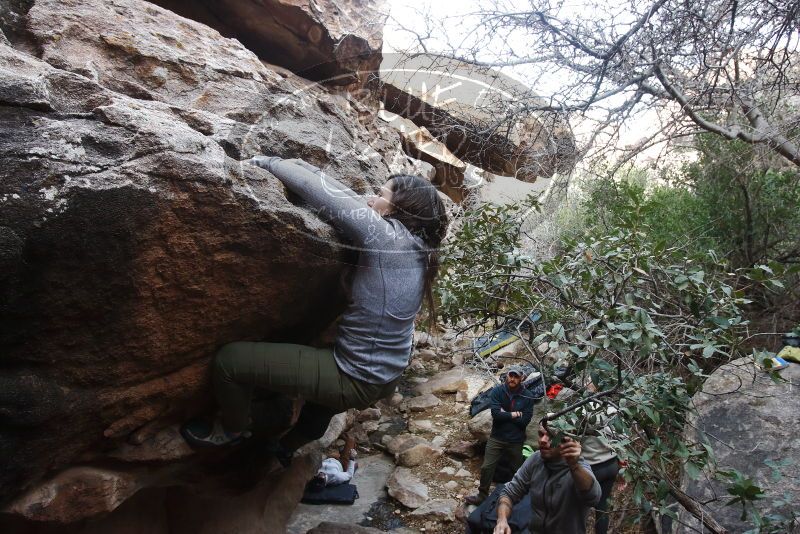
x=516, y=369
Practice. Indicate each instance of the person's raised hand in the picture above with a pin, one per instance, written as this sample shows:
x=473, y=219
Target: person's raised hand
x=501, y=527
x=570, y=451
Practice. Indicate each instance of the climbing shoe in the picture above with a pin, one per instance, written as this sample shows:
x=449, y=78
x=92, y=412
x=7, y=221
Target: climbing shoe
x=202, y=433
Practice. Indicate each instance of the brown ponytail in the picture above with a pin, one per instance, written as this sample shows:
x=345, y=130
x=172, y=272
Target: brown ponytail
x=419, y=208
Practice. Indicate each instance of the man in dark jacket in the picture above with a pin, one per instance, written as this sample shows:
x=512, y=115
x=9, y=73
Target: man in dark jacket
x=512, y=410
x=561, y=486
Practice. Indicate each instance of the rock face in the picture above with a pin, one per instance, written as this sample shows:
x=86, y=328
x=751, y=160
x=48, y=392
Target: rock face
x=132, y=241
x=539, y=147
x=754, y=420
x=337, y=42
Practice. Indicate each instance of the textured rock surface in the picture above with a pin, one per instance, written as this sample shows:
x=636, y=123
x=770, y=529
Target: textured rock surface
x=417, y=455
x=443, y=509
x=446, y=382
x=402, y=442
x=448, y=169
x=462, y=449
x=753, y=420
x=539, y=147
x=132, y=242
x=337, y=42
x=480, y=426
x=406, y=488
x=423, y=402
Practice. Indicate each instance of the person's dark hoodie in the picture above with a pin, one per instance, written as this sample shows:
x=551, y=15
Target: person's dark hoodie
x=503, y=401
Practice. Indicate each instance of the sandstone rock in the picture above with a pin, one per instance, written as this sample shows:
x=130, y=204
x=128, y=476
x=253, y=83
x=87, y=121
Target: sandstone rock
x=480, y=426
x=64, y=498
x=535, y=146
x=417, y=455
x=462, y=449
x=463, y=473
x=133, y=243
x=457, y=359
x=441, y=509
x=166, y=445
x=369, y=426
x=420, y=425
x=370, y=414
x=396, y=399
x=407, y=488
x=423, y=402
x=423, y=168
x=764, y=425
x=462, y=396
x=439, y=441
x=451, y=485
x=448, y=169
x=476, y=384
x=427, y=355
x=337, y=44
x=446, y=382
x=416, y=366
x=448, y=471
x=397, y=444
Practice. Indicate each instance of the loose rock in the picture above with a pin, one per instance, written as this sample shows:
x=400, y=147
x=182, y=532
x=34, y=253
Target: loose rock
x=442, y=509
x=446, y=382
x=407, y=488
x=417, y=455
x=423, y=402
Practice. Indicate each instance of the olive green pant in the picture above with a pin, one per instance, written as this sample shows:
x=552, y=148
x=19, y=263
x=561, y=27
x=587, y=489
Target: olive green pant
x=297, y=371
x=495, y=450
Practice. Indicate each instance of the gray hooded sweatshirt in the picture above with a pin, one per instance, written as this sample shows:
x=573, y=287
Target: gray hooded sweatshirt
x=558, y=506
x=373, y=341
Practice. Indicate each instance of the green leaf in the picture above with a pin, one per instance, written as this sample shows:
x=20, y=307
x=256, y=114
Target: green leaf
x=692, y=470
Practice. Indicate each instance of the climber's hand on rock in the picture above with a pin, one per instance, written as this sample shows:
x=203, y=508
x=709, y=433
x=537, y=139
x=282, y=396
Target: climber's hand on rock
x=353, y=454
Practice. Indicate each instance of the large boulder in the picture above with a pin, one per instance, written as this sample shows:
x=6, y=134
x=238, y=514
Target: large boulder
x=481, y=116
x=407, y=488
x=754, y=422
x=133, y=243
x=335, y=42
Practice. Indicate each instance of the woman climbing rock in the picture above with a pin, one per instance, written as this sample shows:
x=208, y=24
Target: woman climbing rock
x=397, y=235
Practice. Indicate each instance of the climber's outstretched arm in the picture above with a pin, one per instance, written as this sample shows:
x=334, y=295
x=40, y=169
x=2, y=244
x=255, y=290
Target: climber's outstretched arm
x=334, y=201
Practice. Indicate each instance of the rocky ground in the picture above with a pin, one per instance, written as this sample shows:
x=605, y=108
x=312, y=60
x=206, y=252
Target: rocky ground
x=432, y=448
x=424, y=430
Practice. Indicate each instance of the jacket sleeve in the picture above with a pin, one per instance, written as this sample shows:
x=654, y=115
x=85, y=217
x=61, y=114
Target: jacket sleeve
x=496, y=399
x=333, y=201
x=527, y=414
x=521, y=483
x=591, y=496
